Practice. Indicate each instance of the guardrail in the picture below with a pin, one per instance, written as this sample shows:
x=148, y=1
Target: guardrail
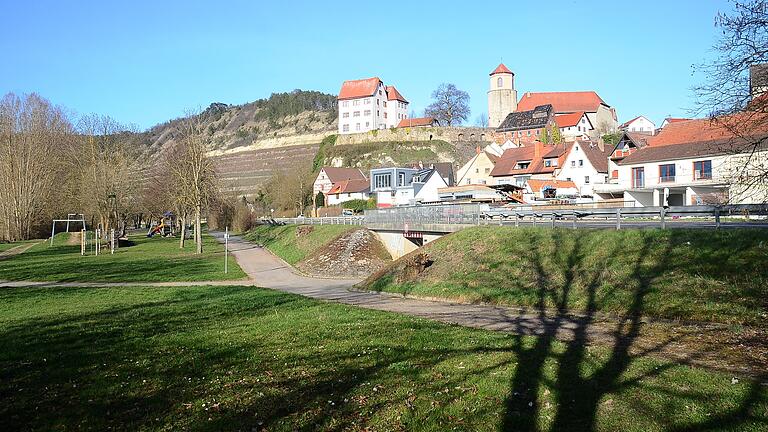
x=327, y=220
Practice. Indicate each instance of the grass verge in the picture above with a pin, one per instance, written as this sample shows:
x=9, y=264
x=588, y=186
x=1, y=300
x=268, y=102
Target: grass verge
x=293, y=243
x=718, y=276
x=141, y=260
x=239, y=358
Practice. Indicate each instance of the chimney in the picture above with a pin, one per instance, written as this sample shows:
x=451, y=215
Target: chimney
x=538, y=146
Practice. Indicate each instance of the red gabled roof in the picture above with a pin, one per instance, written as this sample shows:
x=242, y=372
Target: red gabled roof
x=393, y=94
x=626, y=123
x=675, y=120
x=359, y=88
x=336, y=175
x=417, y=121
x=562, y=102
x=349, y=186
x=568, y=120
x=501, y=69
x=537, y=185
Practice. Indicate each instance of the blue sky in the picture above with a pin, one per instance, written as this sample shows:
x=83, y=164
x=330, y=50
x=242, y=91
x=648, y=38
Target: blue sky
x=147, y=62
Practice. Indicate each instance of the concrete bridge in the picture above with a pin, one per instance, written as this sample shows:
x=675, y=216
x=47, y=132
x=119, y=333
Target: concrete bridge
x=405, y=229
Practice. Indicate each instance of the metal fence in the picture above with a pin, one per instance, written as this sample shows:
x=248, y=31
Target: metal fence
x=329, y=220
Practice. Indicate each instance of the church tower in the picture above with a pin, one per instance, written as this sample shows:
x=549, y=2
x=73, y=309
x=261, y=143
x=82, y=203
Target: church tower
x=502, y=96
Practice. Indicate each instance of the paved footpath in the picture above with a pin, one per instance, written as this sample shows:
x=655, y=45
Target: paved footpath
x=268, y=271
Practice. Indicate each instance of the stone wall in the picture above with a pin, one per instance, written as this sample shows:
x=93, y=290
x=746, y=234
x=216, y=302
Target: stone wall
x=453, y=135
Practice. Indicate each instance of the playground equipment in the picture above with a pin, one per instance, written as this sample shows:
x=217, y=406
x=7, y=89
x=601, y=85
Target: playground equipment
x=165, y=227
x=71, y=217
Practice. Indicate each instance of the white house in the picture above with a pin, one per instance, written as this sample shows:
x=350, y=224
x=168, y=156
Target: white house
x=639, y=124
x=693, y=162
x=348, y=190
x=574, y=125
x=405, y=186
x=330, y=176
x=586, y=165
x=368, y=104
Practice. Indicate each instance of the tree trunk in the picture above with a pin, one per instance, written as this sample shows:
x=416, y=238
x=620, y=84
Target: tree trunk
x=198, y=234
x=183, y=221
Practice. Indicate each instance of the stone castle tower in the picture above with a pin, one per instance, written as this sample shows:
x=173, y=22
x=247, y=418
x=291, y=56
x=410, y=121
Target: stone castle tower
x=502, y=96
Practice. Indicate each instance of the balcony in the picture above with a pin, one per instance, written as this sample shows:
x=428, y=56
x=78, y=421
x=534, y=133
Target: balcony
x=667, y=179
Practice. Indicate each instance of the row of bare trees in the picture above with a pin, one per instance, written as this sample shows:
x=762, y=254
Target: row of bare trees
x=51, y=166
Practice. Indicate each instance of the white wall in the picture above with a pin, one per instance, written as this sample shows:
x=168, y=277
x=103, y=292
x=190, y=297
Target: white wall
x=334, y=199
x=374, y=120
x=396, y=111
x=577, y=167
x=584, y=127
x=641, y=124
x=428, y=192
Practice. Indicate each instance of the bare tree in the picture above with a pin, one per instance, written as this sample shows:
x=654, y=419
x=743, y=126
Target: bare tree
x=482, y=120
x=734, y=93
x=450, y=105
x=32, y=134
x=193, y=176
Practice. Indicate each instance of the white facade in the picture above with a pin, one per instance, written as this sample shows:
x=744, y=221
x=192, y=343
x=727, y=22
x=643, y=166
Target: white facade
x=502, y=96
x=578, y=169
x=372, y=112
x=582, y=128
x=641, y=125
x=428, y=191
x=700, y=180
x=333, y=199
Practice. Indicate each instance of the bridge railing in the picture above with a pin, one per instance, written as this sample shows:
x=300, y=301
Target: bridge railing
x=328, y=220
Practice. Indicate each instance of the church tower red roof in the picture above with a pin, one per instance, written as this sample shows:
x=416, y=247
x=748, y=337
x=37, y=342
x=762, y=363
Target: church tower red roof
x=501, y=69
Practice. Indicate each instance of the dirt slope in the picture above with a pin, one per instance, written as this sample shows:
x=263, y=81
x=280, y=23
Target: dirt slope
x=356, y=253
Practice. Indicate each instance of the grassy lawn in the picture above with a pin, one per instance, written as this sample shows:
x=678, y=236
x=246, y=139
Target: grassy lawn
x=700, y=275
x=6, y=246
x=290, y=243
x=144, y=260
x=239, y=358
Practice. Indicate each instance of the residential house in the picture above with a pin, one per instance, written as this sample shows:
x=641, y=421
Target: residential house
x=522, y=127
x=347, y=190
x=368, y=104
x=418, y=122
x=477, y=170
x=586, y=165
x=669, y=120
x=445, y=169
x=574, y=126
x=480, y=193
x=695, y=162
x=639, y=124
x=544, y=189
x=601, y=115
x=330, y=176
x=405, y=186
x=537, y=160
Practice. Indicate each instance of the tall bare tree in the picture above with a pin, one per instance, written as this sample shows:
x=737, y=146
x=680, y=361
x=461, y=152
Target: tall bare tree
x=32, y=135
x=735, y=93
x=450, y=105
x=193, y=176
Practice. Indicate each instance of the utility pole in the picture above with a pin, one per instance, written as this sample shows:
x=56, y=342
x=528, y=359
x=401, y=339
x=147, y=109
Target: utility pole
x=226, y=247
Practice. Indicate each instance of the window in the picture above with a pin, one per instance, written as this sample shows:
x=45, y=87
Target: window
x=367, y=101
x=528, y=133
x=378, y=113
x=379, y=92
x=345, y=115
x=499, y=82
x=477, y=170
x=345, y=103
x=357, y=126
x=586, y=179
x=487, y=170
x=615, y=174
x=573, y=164
x=667, y=173
x=382, y=181
x=401, y=179
x=385, y=104
x=345, y=128
x=367, y=124
x=356, y=102
x=547, y=163
x=367, y=113
x=567, y=179
x=385, y=115
x=581, y=162
x=638, y=177
x=702, y=170
x=356, y=114
x=519, y=133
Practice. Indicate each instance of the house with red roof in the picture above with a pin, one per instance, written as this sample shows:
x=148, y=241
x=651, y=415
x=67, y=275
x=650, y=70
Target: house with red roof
x=586, y=165
x=574, y=125
x=338, y=185
x=535, y=161
x=639, y=124
x=692, y=162
x=368, y=104
x=601, y=115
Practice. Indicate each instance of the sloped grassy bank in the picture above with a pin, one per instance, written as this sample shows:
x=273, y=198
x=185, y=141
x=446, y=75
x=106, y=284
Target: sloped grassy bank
x=703, y=275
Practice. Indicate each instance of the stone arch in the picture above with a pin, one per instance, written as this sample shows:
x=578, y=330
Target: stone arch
x=430, y=137
x=482, y=137
x=461, y=137
x=471, y=137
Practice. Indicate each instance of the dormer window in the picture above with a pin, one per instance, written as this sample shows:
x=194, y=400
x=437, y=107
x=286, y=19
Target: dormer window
x=499, y=82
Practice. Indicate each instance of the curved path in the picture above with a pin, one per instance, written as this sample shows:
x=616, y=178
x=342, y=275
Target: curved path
x=679, y=342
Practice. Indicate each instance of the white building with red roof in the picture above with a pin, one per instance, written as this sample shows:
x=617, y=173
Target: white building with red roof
x=600, y=114
x=639, y=124
x=368, y=104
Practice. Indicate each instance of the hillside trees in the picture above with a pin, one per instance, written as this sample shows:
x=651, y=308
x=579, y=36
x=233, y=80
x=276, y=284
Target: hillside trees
x=290, y=190
x=33, y=133
x=450, y=105
x=192, y=175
